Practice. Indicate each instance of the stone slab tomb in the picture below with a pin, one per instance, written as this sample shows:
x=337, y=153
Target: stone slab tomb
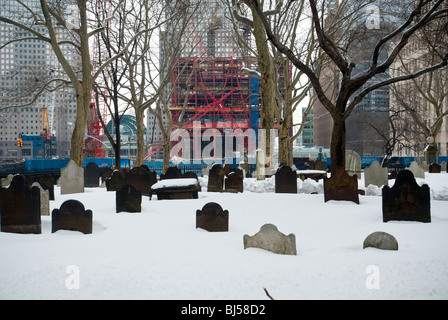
x=212, y=218
x=270, y=239
x=406, y=200
x=128, y=199
x=285, y=180
x=20, y=208
x=176, y=189
x=72, y=216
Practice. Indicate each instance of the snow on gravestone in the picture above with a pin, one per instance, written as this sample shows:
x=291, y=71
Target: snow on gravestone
x=212, y=218
x=72, y=179
x=20, y=207
x=270, y=239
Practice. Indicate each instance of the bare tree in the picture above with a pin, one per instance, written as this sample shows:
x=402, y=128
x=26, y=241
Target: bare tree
x=348, y=95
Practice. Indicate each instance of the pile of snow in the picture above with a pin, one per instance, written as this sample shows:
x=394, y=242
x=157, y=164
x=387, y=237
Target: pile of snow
x=159, y=253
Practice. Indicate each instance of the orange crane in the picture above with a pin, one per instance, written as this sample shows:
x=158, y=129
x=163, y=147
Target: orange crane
x=45, y=131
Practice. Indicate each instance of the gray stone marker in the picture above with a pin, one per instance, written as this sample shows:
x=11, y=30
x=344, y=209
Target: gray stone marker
x=418, y=171
x=353, y=163
x=72, y=179
x=269, y=238
x=7, y=181
x=44, y=200
x=376, y=175
x=381, y=240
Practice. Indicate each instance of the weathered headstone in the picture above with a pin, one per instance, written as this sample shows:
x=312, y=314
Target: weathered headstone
x=443, y=166
x=7, y=181
x=341, y=186
x=320, y=166
x=216, y=178
x=406, y=200
x=72, y=216
x=128, y=199
x=206, y=170
x=20, y=207
x=171, y=173
x=116, y=181
x=376, y=175
x=353, y=163
x=269, y=238
x=72, y=179
x=417, y=171
x=212, y=218
x=44, y=199
x=91, y=175
x=47, y=183
x=106, y=174
x=435, y=168
x=381, y=240
x=234, y=182
x=285, y=180
x=141, y=180
x=424, y=166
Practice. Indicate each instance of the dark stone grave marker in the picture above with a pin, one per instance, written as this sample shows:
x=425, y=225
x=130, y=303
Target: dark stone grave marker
x=141, y=180
x=285, y=180
x=234, y=182
x=435, y=168
x=91, y=175
x=171, y=173
x=47, y=183
x=106, y=174
x=212, y=218
x=72, y=216
x=20, y=207
x=341, y=186
x=116, y=181
x=216, y=179
x=128, y=199
x=406, y=200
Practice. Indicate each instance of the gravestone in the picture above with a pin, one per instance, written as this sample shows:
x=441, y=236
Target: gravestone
x=140, y=178
x=7, y=181
x=44, y=199
x=424, y=166
x=212, y=218
x=341, y=186
x=435, y=168
x=216, y=178
x=416, y=170
x=171, y=173
x=20, y=207
x=376, y=175
x=206, y=170
x=47, y=183
x=443, y=166
x=320, y=166
x=353, y=163
x=234, y=182
x=128, y=199
x=106, y=174
x=116, y=181
x=176, y=189
x=91, y=175
x=406, y=200
x=269, y=238
x=285, y=180
x=381, y=240
x=72, y=179
x=72, y=216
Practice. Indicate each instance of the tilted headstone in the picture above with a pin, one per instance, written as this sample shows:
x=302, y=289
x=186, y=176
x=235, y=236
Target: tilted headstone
x=234, y=182
x=212, y=218
x=376, y=175
x=269, y=238
x=72, y=216
x=47, y=183
x=91, y=175
x=353, y=163
x=128, y=199
x=406, y=200
x=435, y=168
x=140, y=178
x=418, y=171
x=72, y=179
x=44, y=199
x=216, y=179
x=285, y=180
x=116, y=181
x=381, y=240
x=20, y=207
x=341, y=186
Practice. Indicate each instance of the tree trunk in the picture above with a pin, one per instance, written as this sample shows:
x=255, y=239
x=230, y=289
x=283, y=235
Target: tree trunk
x=284, y=146
x=77, y=141
x=139, y=117
x=338, y=143
x=166, y=155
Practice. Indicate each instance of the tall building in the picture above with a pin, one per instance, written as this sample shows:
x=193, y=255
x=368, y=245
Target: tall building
x=24, y=67
x=209, y=84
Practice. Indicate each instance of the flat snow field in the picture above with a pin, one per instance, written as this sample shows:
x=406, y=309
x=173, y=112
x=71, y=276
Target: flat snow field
x=159, y=254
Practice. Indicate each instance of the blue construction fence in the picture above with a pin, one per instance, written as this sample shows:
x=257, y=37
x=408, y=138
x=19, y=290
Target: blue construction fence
x=403, y=162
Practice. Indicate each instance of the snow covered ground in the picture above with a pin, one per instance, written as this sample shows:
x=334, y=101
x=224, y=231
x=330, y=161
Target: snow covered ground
x=159, y=254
